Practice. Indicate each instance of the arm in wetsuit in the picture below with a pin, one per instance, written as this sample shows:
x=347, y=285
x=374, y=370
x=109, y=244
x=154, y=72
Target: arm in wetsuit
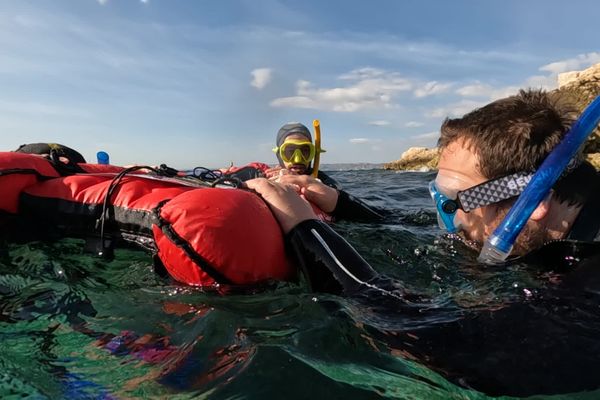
x=323, y=255
x=349, y=207
x=531, y=347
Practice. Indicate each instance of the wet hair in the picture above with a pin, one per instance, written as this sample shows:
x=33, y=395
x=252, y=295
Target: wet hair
x=515, y=134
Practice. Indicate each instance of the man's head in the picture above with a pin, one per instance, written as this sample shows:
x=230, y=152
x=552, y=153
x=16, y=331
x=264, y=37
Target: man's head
x=295, y=150
x=509, y=136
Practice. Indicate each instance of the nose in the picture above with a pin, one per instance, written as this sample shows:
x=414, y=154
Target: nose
x=297, y=159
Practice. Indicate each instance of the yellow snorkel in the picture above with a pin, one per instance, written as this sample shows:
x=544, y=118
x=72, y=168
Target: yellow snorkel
x=318, y=149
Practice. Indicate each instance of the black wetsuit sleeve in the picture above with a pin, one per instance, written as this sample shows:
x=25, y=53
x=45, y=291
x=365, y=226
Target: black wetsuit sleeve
x=350, y=208
x=329, y=263
x=246, y=173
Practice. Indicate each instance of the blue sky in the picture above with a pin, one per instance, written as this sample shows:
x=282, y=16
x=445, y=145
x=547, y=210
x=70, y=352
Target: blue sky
x=208, y=83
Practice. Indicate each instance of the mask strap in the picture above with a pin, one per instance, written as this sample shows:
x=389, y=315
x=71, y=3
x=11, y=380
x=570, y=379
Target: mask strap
x=493, y=191
x=496, y=190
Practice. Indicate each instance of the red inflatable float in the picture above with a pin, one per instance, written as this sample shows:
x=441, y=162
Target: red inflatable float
x=202, y=235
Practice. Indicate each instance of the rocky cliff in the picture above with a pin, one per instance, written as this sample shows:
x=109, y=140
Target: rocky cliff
x=415, y=159
x=581, y=87
x=578, y=87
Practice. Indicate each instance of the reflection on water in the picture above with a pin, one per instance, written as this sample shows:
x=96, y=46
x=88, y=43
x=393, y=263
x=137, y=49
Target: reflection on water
x=75, y=326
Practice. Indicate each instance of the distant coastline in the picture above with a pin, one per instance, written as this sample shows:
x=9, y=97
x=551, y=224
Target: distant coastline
x=350, y=166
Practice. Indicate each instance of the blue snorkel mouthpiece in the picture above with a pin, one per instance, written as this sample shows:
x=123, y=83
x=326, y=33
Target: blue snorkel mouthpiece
x=500, y=243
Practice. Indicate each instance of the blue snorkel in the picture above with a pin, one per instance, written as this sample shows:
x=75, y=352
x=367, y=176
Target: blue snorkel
x=499, y=245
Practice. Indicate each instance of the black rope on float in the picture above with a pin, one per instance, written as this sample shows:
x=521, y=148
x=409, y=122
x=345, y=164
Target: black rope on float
x=167, y=228
x=206, y=174
x=111, y=188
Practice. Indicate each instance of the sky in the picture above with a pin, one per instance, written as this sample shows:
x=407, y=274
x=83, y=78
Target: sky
x=208, y=83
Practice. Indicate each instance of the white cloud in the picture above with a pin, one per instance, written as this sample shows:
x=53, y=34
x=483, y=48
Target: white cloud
x=455, y=109
x=367, y=88
x=399, y=49
x=373, y=143
x=500, y=93
x=478, y=89
x=359, y=140
x=144, y=1
x=102, y=2
x=379, y=123
x=579, y=62
x=363, y=73
x=261, y=77
x=431, y=88
x=547, y=82
x=413, y=124
x=365, y=141
x=428, y=135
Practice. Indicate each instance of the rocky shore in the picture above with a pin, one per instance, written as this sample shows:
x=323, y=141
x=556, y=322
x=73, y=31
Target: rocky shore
x=578, y=87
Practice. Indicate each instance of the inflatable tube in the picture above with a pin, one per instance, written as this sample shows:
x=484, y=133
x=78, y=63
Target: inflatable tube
x=202, y=235
x=17, y=172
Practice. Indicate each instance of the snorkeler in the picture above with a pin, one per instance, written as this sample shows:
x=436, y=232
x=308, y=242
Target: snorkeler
x=486, y=161
x=296, y=153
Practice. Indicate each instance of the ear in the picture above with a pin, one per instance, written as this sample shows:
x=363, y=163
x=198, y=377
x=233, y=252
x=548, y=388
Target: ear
x=541, y=210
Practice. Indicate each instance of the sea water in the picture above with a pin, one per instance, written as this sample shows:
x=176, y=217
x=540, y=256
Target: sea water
x=75, y=326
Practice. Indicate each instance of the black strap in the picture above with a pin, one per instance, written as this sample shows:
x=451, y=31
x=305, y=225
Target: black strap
x=24, y=171
x=174, y=237
x=64, y=169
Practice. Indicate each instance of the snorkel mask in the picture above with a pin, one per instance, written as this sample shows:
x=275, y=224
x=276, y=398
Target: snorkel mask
x=296, y=152
x=299, y=151
x=484, y=194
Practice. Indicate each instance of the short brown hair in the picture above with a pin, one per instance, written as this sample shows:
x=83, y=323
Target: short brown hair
x=515, y=134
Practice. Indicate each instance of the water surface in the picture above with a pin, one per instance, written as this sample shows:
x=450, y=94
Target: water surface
x=75, y=326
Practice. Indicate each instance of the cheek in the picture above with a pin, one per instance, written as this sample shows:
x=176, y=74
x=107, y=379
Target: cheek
x=492, y=217
x=472, y=224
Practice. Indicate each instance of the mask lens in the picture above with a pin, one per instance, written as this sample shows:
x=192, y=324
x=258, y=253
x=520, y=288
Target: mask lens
x=294, y=152
x=305, y=150
x=287, y=152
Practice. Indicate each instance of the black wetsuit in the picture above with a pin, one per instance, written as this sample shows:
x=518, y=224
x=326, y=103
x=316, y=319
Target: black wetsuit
x=349, y=207
x=546, y=345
